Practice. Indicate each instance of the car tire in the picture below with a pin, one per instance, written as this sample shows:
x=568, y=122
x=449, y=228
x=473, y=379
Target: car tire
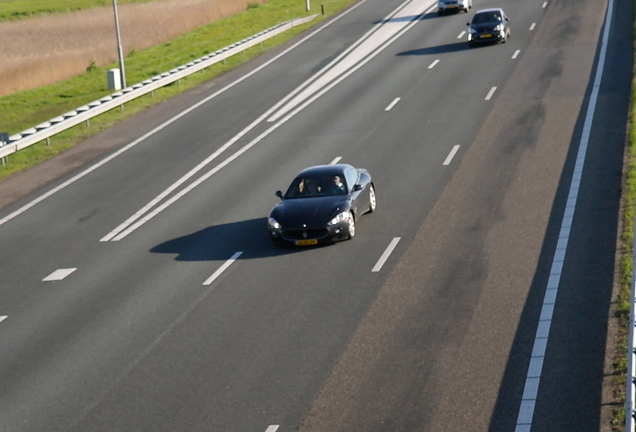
x=352, y=226
x=372, y=199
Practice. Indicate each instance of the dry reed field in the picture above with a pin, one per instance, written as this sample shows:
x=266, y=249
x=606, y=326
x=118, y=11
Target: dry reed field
x=44, y=50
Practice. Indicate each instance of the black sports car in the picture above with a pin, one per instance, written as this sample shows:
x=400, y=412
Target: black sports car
x=322, y=205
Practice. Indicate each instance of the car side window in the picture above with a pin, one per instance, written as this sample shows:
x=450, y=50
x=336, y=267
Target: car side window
x=351, y=175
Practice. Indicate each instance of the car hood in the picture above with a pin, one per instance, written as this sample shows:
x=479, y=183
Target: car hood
x=309, y=212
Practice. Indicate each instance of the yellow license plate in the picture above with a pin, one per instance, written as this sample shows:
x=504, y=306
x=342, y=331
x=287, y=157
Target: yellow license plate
x=452, y=6
x=306, y=242
x=487, y=35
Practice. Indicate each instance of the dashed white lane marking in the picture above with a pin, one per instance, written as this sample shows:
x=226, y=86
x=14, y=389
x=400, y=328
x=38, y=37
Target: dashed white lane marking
x=272, y=428
x=451, y=155
x=461, y=35
x=516, y=54
x=387, y=252
x=221, y=269
x=432, y=65
x=532, y=26
x=3, y=317
x=59, y=274
x=533, y=378
x=491, y=93
x=336, y=160
x=392, y=104
x=545, y=5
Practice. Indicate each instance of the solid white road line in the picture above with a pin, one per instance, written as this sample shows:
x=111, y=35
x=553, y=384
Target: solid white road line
x=59, y=274
x=221, y=269
x=451, y=155
x=491, y=93
x=392, y=104
x=387, y=252
x=432, y=65
x=531, y=388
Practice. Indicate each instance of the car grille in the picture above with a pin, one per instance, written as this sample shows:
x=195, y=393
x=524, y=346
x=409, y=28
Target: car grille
x=305, y=234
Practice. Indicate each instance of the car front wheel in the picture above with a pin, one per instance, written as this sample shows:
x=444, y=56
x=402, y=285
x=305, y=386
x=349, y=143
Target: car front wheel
x=352, y=226
x=372, y=199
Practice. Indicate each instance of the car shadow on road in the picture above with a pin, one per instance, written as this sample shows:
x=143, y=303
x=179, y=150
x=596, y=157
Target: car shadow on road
x=220, y=242
x=440, y=49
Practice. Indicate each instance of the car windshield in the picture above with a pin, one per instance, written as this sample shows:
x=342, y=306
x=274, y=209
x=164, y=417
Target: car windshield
x=311, y=187
x=486, y=17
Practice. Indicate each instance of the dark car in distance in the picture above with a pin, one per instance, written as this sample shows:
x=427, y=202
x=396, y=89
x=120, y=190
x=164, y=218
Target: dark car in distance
x=488, y=26
x=322, y=205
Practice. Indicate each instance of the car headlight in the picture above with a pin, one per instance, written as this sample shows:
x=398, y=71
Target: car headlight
x=340, y=217
x=273, y=223
x=499, y=27
x=472, y=30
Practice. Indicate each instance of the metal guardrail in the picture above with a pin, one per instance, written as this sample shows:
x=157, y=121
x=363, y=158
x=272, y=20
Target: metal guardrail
x=630, y=397
x=66, y=121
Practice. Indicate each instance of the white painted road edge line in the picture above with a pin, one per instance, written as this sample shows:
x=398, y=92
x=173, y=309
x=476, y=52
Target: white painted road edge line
x=531, y=388
x=387, y=252
x=451, y=155
x=392, y=104
x=491, y=93
x=59, y=274
x=221, y=269
x=3, y=317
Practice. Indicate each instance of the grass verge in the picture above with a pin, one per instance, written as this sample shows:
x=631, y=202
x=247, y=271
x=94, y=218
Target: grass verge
x=26, y=109
x=625, y=266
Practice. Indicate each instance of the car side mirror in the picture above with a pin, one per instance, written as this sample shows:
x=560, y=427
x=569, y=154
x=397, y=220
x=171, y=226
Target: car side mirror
x=279, y=194
x=357, y=187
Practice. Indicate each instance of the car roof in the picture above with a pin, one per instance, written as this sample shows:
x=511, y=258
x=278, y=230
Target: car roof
x=320, y=170
x=489, y=10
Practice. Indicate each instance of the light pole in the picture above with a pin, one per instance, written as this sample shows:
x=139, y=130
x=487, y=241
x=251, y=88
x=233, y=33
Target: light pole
x=122, y=71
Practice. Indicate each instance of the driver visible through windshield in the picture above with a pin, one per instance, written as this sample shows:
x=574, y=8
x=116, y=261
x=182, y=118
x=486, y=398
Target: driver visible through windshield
x=316, y=187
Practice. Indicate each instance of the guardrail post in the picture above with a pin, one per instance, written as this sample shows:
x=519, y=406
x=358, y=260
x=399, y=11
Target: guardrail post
x=4, y=140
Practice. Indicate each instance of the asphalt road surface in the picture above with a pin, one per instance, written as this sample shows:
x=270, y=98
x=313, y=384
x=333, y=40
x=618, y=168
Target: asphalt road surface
x=139, y=290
